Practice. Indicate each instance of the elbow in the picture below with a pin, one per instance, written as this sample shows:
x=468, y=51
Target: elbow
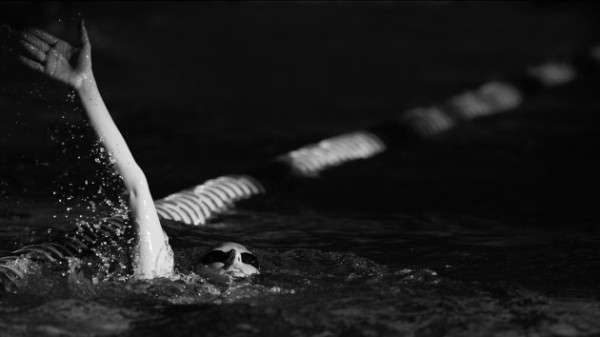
x=137, y=184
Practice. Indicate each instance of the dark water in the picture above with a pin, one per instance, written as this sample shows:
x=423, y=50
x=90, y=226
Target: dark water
x=490, y=230
x=334, y=274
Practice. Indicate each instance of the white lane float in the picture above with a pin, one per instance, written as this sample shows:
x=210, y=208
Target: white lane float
x=310, y=160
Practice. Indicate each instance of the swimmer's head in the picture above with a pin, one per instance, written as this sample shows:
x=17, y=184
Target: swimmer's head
x=231, y=258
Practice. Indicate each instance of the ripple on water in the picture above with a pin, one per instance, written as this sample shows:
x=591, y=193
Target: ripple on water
x=324, y=290
x=68, y=317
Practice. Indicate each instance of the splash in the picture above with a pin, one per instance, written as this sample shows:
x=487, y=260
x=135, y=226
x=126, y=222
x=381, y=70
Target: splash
x=89, y=187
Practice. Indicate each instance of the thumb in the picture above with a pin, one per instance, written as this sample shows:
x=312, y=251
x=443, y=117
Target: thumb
x=85, y=39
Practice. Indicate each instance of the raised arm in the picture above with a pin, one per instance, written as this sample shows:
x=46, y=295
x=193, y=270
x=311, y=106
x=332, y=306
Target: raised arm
x=59, y=60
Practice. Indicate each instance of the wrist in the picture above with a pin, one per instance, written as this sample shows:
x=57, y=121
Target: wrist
x=84, y=83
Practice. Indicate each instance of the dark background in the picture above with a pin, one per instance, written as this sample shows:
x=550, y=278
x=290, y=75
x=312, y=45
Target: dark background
x=200, y=90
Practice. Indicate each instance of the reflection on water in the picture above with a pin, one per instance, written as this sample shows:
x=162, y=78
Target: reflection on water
x=329, y=275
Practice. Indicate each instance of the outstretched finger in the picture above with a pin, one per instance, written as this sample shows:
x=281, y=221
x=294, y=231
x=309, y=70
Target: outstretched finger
x=31, y=64
x=48, y=38
x=35, y=41
x=33, y=51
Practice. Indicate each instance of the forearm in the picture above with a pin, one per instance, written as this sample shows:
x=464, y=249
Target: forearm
x=108, y=133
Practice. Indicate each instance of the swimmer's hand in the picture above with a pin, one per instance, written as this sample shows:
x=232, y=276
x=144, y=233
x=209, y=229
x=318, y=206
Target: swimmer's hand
x=56, y=58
